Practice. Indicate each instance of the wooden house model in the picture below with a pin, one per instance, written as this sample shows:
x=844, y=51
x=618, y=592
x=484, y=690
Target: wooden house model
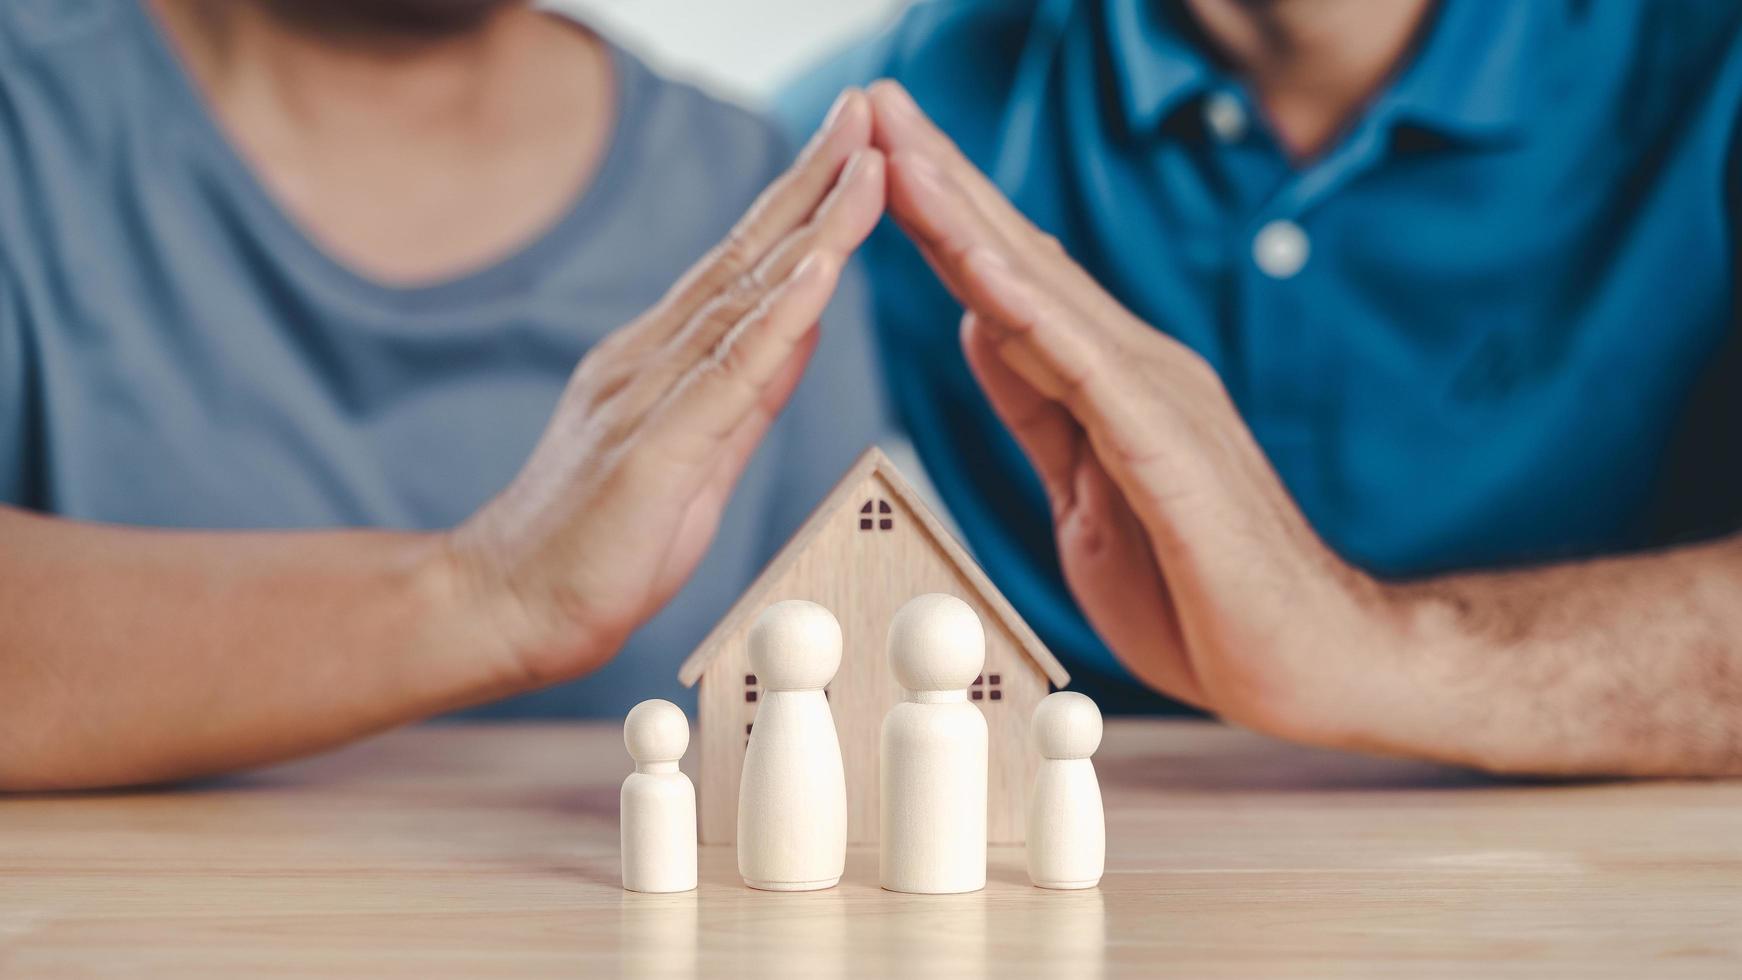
x=868, y=548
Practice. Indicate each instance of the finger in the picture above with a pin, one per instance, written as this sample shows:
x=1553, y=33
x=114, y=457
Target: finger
x=900, y=127
x=1035, y=336
x=1131, y=413
x=1105, y=549
x=920, y=151
x=737, y=448
x=839, y=225
x=1044, y=429
x=785, y=205
x=719, y=393
x=934, y=212
x=1093, y=378
x=1113, y=573
x=701, y=518
x=844, y=219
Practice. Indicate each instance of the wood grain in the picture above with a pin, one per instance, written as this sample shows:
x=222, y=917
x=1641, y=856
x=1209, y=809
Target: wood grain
x=487, y=851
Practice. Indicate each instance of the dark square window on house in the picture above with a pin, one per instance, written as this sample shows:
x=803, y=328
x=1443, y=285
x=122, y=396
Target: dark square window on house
x=987, y=687
x=876, y=515
x=749, y=695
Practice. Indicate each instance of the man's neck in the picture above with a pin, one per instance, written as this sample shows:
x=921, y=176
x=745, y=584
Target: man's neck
x=411, y=154
x=1313, y=64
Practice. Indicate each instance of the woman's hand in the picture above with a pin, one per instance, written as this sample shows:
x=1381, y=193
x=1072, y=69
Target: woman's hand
x=622, y=496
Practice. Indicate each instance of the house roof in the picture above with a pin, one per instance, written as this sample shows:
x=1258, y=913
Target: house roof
x=873, y=461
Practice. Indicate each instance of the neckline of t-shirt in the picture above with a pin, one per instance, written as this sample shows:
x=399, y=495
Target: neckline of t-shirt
x=480, y=285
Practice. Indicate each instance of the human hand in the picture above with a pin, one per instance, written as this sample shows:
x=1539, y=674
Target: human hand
x=1174, y=534
x=623, y=493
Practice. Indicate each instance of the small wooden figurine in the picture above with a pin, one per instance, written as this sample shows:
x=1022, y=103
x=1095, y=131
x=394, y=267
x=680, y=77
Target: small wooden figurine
x=657, y=808
x=1067, y=829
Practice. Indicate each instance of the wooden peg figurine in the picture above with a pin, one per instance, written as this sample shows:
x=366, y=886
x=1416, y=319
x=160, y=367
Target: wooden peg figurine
x=1067, y=831
x=657, y=809
x=933, y=759
x=792, y=794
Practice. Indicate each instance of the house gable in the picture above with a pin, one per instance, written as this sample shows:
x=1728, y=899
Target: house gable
x=851, y=493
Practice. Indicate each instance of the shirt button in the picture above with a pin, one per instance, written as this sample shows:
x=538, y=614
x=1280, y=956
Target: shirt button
x=1280, y=249
x=1225, y=116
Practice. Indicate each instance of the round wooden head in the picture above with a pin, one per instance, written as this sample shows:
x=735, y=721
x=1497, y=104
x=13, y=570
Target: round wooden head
x=656, y=731
x=1066, y=725
x=795, y=646
x=936, y=643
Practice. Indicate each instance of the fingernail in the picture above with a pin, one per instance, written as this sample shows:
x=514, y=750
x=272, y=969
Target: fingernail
x=835, y=110
x=828, y=124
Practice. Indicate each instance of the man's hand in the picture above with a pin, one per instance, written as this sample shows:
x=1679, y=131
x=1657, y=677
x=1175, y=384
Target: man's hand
x=623, y=494
x=1175, y=535
x=1188, y=556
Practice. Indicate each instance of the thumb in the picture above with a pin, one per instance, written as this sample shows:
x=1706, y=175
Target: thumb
x=1043, y=428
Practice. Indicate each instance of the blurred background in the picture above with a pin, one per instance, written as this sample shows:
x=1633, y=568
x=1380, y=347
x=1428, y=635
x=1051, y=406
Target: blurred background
x=742, y=50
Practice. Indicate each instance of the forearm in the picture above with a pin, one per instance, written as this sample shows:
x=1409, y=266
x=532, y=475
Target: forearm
x=131, y=655
x=1626, y=666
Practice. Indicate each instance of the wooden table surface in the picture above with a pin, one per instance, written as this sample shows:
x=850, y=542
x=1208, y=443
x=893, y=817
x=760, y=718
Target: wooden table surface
x=482, y=851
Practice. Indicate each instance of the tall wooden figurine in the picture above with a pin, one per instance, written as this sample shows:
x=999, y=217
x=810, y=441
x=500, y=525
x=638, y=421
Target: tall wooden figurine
x=933, y=752
x=1067, y=830
x=792, y=794
x=657, y=809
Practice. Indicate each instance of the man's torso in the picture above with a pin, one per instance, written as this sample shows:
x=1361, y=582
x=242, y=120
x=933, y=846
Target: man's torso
x=1493, y=324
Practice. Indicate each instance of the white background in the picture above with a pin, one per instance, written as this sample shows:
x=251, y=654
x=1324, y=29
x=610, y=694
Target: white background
x=739, y=49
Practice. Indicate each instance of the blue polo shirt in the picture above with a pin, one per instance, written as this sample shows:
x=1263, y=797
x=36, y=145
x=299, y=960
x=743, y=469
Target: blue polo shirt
x=1492, y=324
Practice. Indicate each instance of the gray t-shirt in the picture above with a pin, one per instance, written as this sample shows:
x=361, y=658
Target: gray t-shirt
x=175, y=351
